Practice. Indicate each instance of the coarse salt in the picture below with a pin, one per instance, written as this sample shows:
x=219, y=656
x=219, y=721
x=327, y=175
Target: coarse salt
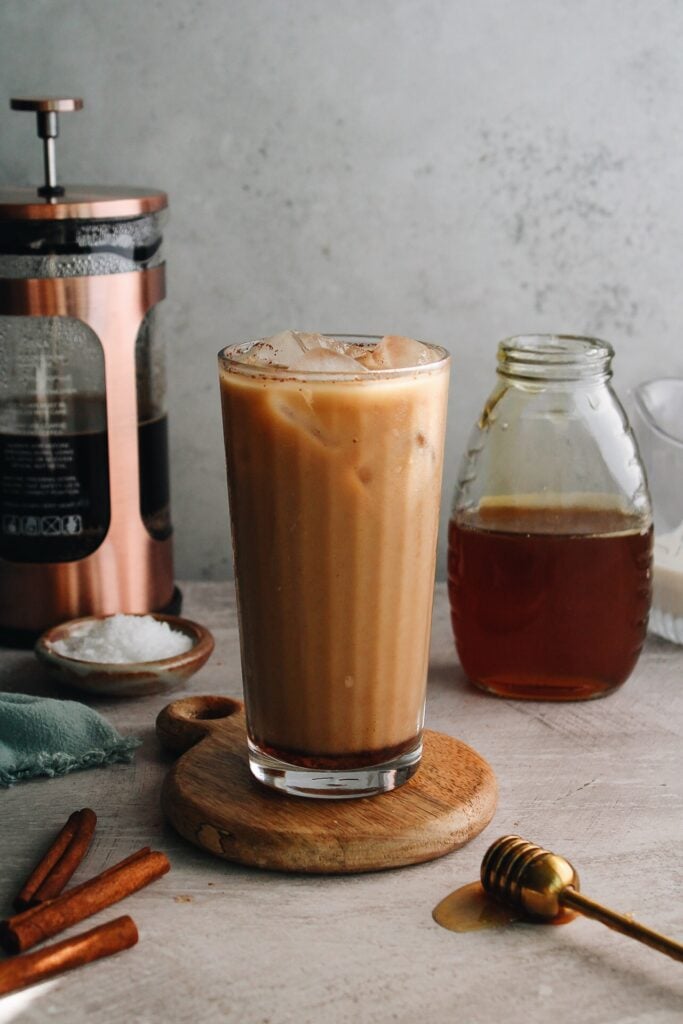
x=123, y=639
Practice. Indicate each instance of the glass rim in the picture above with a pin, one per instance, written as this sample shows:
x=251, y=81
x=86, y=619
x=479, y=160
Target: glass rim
x=555, y=349
x=228, y=363
x=555, y=359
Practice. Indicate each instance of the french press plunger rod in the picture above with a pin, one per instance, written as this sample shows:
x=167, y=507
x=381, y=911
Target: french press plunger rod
x=47, y=117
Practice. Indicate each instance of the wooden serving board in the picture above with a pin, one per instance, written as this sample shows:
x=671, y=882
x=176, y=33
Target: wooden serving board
x=211, y=798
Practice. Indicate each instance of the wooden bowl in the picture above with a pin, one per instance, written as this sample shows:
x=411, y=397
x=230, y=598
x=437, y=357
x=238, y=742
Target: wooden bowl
x=126, y=679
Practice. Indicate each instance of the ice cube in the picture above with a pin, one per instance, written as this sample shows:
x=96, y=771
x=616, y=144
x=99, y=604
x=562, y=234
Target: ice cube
x=260, y=353
x=353, y=349
x=308, y=341
x=281, y=349
x=287, y=347
x=324, y=360
x=347, y=348
x=396, y=352
x=297, y=410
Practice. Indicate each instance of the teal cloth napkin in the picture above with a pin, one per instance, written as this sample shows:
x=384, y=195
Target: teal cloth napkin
x=42, y=736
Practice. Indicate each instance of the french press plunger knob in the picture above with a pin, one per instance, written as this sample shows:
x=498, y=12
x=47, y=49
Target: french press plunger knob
x=48, y=109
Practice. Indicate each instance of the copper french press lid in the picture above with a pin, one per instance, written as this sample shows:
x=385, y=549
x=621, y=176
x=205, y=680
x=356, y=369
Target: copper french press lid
x=52, y=201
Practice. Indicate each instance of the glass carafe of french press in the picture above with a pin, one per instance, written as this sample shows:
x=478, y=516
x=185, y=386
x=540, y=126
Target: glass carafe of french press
x=85, y=524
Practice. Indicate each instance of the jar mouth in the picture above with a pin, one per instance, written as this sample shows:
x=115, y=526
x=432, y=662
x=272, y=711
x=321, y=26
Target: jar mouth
x=555, y=357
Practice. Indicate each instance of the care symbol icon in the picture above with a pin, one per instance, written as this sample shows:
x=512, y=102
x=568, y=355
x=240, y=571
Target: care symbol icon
x=11, y=525
x=72, y=525
x=51, y=526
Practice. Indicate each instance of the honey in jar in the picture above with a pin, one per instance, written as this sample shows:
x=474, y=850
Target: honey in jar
x=549, y=602
x=550, y=538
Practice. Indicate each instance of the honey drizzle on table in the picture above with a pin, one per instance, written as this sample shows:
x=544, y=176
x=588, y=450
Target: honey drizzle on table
x=470, y=909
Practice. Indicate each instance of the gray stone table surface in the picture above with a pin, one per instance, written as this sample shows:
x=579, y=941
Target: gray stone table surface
x=600, y=782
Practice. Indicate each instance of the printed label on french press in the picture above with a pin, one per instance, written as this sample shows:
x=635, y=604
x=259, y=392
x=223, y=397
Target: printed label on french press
x=54, y=496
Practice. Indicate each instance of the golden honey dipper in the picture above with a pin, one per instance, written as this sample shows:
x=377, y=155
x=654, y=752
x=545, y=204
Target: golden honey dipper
x=540, y=883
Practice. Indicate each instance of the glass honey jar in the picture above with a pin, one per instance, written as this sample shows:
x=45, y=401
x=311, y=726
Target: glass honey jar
x=550, y=537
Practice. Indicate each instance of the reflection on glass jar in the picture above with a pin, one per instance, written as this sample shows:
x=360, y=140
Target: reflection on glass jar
x=551, y=532
x=150, y=368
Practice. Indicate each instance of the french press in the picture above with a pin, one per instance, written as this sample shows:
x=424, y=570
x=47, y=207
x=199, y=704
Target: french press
x=85, y=524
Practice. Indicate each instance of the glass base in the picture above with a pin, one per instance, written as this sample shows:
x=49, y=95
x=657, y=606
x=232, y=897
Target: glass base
x=550, y=690
x=666, y=625
x=327, y=784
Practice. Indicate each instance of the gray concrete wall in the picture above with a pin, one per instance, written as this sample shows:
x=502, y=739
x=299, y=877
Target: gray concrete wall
x=458, y=170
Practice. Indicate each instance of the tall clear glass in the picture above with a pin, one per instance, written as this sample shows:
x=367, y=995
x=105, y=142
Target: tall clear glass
x=551, y=531
x=334, y=484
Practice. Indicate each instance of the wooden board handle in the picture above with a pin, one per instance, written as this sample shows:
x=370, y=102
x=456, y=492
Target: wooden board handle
x=185, y=722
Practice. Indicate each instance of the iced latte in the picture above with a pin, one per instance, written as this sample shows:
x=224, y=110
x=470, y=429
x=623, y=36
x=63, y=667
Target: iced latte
x=334, y=453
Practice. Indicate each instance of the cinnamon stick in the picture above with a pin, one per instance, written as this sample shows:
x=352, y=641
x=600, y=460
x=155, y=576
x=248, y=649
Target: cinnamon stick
x=105, y=940
x=74, y=853
x=24, y=930
x=51, y=859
